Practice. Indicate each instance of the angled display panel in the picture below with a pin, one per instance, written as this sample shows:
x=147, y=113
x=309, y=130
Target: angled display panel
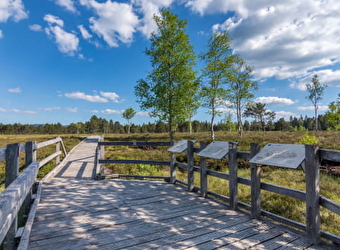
x=179, y=147
x=280, y=155
x=215, y=150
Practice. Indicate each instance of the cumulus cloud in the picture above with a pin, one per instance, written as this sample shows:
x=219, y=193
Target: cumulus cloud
x=83, y=96
x=67, y=42
x=110, y=96
x=274, y=101
x=53, y=20
x=114, y=22
x=12, y=9
x=327, y=76
x=149, y=8
x=35, y=27
x=282, y=39
x=1, y=34
x=67, y=4
x=85, y=34
x=103, y=97
x=15, y=90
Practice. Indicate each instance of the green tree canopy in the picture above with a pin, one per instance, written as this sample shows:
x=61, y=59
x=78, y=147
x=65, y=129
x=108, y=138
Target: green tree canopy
x=333, y=114
x=259, y=112
x=218, y=61
x=315, y=91
x=128, y=114
x=241, y=87
x=170, y=89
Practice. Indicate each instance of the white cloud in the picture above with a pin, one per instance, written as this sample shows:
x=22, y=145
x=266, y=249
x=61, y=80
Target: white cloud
x=1, y=34
x=15, y=90
x=67, y=4
x=14, y=9
x=35, y=27
x=110, y=96
x=67, y=42
x=83, y=96
x=53, y=20
x=17, y=111
x=326, y=76
x=274, y=101
x=311, y=108
x=50, y=109
x=115, y=22
x=143, y=113
x=284, y=114
x=85, y=34
x=112, y=111
x=72, y=110
x=282, y=39
x=149, y=8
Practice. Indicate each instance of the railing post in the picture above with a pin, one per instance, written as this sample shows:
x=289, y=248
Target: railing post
x=57, y=149
x=30, y=156
x=255, y=183
x=102, y=155
x=233, y=169
x=204, y=175
x=190, y=160
x=12, y=171
x=312, y=193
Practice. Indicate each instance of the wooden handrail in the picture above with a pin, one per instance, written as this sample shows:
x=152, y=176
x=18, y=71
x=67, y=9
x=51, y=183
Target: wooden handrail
x=18, y=187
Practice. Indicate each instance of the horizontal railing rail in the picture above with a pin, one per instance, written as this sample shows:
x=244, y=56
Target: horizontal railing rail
x=314, y=158
x=19, y=188
x=101, y=161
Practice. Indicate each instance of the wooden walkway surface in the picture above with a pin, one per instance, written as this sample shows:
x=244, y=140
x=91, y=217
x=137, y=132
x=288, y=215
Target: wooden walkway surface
x=77, y=212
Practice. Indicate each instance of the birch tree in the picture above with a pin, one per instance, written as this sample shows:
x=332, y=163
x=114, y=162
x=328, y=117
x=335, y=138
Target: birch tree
x=169, y=91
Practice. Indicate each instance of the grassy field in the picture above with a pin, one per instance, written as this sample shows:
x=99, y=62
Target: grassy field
x=284, y=206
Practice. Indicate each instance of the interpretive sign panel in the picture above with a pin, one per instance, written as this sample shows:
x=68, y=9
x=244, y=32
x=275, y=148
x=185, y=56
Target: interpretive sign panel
x=179, y=147
x=280, y=155
x=215, y=150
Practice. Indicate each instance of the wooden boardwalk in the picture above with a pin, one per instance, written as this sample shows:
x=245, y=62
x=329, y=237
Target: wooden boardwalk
x=77, y=212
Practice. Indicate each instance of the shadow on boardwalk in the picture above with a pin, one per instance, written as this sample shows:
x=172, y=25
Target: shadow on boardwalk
x=77, y=212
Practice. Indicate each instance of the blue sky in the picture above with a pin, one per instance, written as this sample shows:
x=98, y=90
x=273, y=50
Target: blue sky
x=66, y=60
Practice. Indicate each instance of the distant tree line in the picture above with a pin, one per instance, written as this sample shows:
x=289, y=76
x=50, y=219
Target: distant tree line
x=98, y=125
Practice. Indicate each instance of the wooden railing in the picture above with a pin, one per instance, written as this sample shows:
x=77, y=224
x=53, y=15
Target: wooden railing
x=311, y=196
x=19, y=188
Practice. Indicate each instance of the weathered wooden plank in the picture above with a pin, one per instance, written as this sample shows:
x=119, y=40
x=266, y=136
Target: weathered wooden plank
x=312, y=193
x=2, y=154
x=297, y=194
x=47, y=143
x=49, y=158
x=244, y=155
x=329, y=204
x=329, y=155
x=255, y=184
x=126, y=161
x=190, y=161
x=12, y=198
x=223, y=176
x=134, y=143
x=233, y=170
